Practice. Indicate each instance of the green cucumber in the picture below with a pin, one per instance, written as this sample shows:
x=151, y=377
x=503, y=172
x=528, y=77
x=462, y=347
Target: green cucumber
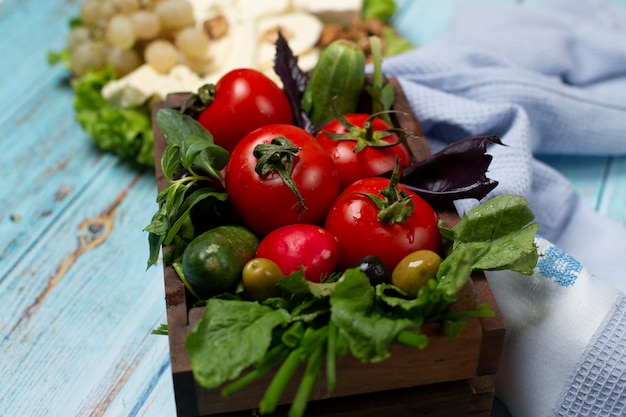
x=337, y=79
x=213, y=261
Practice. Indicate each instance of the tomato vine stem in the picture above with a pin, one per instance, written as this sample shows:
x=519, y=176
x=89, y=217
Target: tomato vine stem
x=278, y=156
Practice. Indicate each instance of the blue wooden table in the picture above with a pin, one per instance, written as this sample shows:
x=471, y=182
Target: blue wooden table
x=77, y=303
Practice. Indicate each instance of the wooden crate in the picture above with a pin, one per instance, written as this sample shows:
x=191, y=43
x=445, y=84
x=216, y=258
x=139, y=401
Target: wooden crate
x=450, y=377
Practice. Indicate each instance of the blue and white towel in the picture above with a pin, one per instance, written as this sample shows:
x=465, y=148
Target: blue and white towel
x=547, y=79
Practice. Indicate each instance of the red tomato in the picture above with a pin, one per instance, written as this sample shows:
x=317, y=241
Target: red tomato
x=374, y=159
x=265, y=201
x=301, y=246
x=353, y=219
x=245, y=99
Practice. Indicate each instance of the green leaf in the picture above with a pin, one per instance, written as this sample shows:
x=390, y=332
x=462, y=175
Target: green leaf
x=183, y=210
x=378, y=9
x=197, y=152
x=176, y=126
x=394, y=43
x=456, y=268
x=126, y=132
x=516, y=251
x=494, y=218
x=171, y=161
x=231, y=336
x=368, y=333
x=496, y=235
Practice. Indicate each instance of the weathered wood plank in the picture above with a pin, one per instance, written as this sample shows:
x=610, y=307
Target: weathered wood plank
x=613, y=198
x=80, y=306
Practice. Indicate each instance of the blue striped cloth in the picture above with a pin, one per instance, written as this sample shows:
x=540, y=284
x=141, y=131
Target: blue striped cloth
x=547, y=78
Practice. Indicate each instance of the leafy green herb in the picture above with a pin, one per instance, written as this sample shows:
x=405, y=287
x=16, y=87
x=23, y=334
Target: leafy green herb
x=161, y=330
x=126, y=132
x=192, y=164
x=382, y=94
x=231, y=336
x=497, y=235
x=368, y=331
x=394, y=43
x=378, y=9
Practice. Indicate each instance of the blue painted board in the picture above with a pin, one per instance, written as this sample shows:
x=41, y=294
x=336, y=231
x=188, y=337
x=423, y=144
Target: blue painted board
x=613, y=199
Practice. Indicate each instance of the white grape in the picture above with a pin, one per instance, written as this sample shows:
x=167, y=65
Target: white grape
x=146, y=23
x=161, y=55
x=123, y=61
x=107, y=9
x=120, y=32
x=192, y=42
x=87, y=56
x=77, y=36
x=175, y=14
x=90, y=12
x=126, y=6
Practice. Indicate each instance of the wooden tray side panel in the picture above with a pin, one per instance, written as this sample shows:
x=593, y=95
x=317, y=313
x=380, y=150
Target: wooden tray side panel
x=471, y=397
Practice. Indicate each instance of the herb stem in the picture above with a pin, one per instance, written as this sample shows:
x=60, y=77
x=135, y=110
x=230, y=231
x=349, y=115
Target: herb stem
x=307, y=383
x=270, y=360
x=412, y=339
x=331, y=357
x=178, y=267
x=274, y=391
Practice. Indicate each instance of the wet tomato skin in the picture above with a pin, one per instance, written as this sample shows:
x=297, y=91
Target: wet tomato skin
x=265, y=202
x=353, y=219
x=245, y=99
x=301, y=246
x=368, y=162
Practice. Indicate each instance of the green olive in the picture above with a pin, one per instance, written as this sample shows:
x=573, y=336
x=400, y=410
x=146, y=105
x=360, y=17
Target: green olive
x=414, y=271
x=259, y=277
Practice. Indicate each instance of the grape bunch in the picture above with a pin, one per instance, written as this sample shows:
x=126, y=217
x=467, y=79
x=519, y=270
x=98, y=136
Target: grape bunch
x=125, y=34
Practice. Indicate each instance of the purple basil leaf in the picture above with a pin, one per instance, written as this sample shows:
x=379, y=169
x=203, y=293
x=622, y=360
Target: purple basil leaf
x=458, y=171
x=294, y=81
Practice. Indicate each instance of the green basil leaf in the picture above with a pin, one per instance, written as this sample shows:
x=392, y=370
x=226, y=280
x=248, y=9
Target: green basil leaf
x=183, y=211
x=369, y=334
x=176, y=126
x=170, y=161
x=231, y=336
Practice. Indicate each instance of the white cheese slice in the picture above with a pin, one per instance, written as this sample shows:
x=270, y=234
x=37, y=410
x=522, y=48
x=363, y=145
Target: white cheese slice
x=302, y=31
x=134, y=89
x=342, y=11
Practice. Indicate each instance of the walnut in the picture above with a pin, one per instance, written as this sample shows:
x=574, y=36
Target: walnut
x=216, y=27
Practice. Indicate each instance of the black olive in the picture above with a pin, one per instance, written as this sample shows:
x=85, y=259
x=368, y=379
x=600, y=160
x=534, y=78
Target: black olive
x=375, y=269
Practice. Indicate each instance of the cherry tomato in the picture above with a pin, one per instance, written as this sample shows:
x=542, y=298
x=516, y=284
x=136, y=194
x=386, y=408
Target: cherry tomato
x=267, y=200
x=301, y=246
x=361, y=148
x=354, y=220
x=245, y=99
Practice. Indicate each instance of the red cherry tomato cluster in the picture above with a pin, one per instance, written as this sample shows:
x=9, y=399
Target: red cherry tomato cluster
x=317, y=203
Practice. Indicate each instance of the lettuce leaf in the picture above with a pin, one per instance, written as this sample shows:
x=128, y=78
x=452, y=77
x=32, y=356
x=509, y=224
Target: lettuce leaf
x=124, y=132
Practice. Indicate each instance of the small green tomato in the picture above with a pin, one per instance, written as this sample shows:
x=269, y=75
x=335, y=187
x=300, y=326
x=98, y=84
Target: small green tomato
x=259, y=277
x=414, y=271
